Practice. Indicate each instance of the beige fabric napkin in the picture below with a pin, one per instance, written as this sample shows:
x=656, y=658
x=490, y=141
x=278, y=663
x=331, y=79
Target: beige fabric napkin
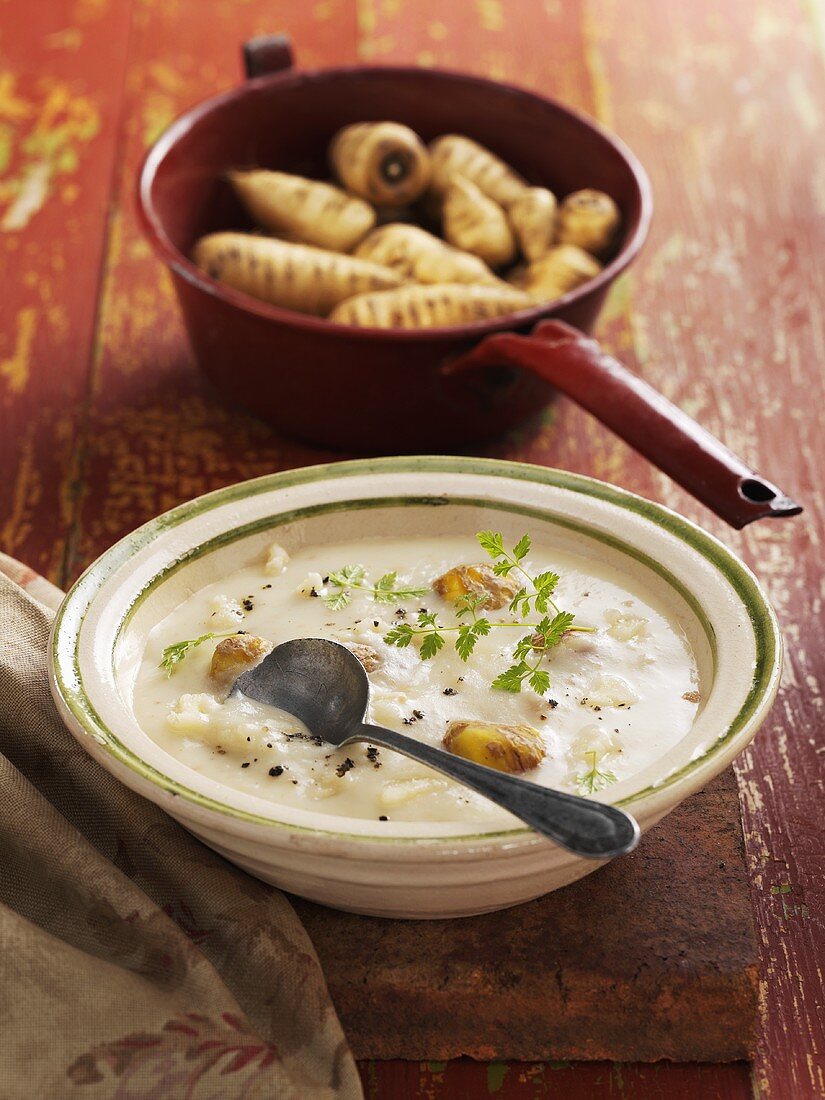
x=134, y=962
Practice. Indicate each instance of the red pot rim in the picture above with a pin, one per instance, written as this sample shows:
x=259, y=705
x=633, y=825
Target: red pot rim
x=179, y=263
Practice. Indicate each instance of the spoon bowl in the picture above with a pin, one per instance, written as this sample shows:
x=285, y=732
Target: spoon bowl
x=325, y=686
x=316, y=680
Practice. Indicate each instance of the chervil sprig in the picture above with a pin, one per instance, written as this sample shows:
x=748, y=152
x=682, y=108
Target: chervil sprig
x=427, y=628
x=470, y=632
x=530, y=653
x=537, y=594
x=534, y=598
x=341, y=584
x=431, y=631
x=595, y=778
x=175, y=653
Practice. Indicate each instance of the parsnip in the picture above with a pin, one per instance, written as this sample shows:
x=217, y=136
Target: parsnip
x=561, y=269
x=397, y=246
x=384, y=162
x=453, y=155
x=307, y=210
x=588, y=219
x=418, y=255
x=452, y=265
x=477, y=224
x=295, y=276
x=533, y=218
x=429, y=306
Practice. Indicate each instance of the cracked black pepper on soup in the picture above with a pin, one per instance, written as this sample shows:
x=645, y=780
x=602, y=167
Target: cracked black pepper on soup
x=521, y=657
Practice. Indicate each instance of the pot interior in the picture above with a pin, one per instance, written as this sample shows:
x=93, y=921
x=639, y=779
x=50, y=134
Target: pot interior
x=287, y=122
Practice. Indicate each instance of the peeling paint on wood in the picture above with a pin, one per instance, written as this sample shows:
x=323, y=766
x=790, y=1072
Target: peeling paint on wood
x=104, y=422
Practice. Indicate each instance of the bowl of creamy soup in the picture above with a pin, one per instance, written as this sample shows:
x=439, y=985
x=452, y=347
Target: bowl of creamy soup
x=534, y=621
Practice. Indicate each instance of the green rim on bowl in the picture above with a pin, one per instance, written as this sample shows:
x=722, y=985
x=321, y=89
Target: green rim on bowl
x=69, y=620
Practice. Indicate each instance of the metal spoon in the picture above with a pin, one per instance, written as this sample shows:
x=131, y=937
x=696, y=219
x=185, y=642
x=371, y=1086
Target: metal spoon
x=321, y=683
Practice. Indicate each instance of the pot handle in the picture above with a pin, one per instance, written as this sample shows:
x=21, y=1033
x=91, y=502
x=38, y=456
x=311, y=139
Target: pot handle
x=267, y=54
x=576, y=365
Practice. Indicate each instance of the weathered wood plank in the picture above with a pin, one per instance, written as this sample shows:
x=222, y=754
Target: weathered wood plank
x=552, y=48
x=465, y=1080
x=156, y=434
x=723, y=103
x=727, y=112
x=61, y=77
x=630, y=963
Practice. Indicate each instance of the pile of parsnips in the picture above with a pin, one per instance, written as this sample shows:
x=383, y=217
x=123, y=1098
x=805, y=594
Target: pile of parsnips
x=352, y=254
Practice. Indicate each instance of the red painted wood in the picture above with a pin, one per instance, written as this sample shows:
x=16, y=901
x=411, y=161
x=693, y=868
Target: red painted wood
x=466, y=1080
x=727, y=112
x=61, y=80
x=156, y=433
x=579, y=367
x=723, y=101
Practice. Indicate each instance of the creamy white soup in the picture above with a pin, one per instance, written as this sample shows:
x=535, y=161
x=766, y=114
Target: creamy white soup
x=613, y=693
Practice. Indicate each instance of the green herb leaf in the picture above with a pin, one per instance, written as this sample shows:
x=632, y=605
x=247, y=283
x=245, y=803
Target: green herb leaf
x=482, y=627
x=350, y=575
x=468, y=635
x=546, y=582
x=539, y=681
x=512, y=678
x=520, y=604
x=595, y=778
x=353, y=577
x=175, y=653
x=399, y=594
x=535, y=596
x=339, y=600
x=469, y=604
x=556, y=628
x=344, y=580
x=492, y=542
x=431, y=645
x=387, y=582
x=388, y=591
x=522, y=547
x=544, y=585
x=399, y=636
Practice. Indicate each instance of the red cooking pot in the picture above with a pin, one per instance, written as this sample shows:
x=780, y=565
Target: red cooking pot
x=435, y=389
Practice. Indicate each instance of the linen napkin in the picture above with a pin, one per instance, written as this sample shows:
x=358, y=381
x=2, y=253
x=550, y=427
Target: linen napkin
x=134, y=962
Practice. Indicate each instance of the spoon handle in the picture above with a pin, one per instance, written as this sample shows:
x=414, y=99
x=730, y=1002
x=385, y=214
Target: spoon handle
x=580, y=825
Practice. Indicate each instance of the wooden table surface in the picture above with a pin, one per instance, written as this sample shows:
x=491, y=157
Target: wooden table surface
x=104, y=421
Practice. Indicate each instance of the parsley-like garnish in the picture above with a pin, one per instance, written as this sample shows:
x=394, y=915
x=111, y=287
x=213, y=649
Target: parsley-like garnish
x=431, y=632
x=535, y=597
x=595, y=778
x=341, y=584
x=175, y=653
x=530, y=653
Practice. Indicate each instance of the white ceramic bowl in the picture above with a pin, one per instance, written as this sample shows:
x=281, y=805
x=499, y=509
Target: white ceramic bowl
x=410, y=870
